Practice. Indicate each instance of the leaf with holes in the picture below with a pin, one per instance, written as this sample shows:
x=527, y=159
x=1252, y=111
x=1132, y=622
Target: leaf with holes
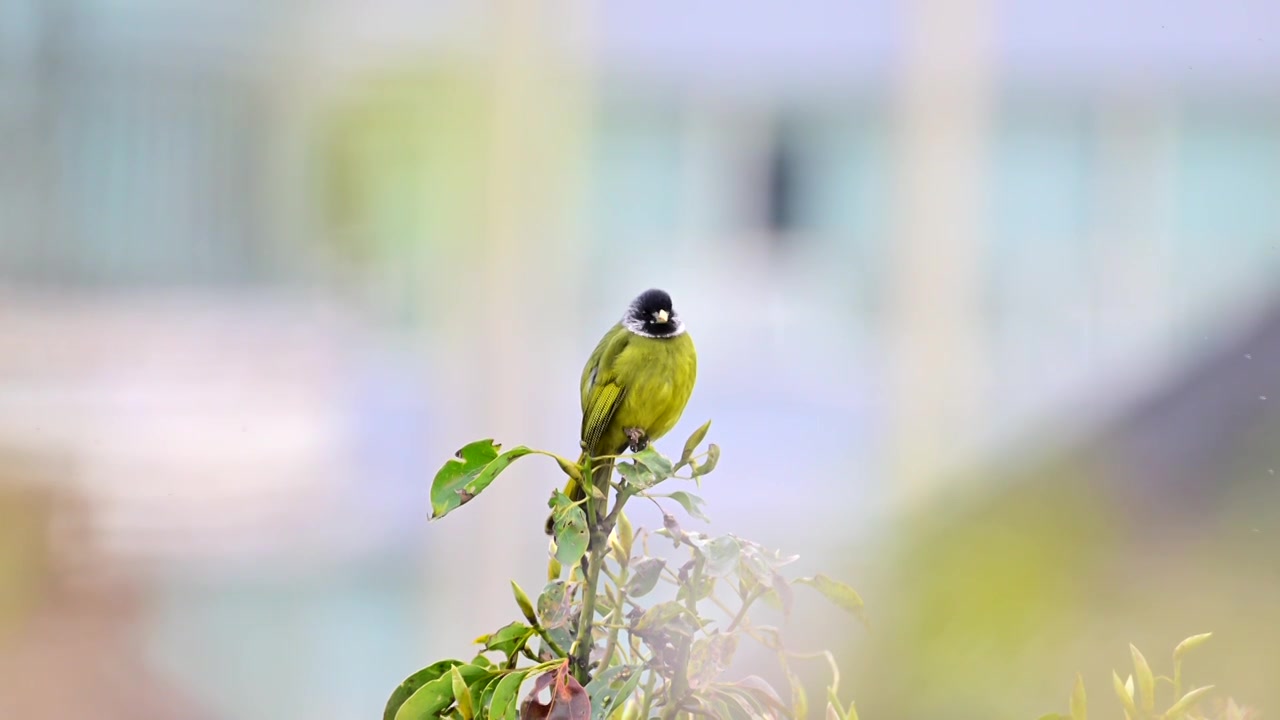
x=569, y=525
x=554, y=608
x=468, y=473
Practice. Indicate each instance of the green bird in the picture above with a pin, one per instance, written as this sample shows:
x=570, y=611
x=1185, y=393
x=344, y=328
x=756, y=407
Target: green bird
x=634, y=386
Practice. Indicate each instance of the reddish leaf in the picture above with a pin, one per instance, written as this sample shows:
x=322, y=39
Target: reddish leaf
x=569, y=700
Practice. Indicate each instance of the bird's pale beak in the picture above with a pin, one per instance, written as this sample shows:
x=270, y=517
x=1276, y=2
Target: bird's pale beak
x=661, y=316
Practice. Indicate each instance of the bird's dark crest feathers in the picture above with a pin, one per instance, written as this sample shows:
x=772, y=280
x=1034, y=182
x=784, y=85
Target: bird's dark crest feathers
x=641, y=311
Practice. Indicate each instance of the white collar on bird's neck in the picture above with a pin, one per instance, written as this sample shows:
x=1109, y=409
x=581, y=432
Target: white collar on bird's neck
x=645, y=329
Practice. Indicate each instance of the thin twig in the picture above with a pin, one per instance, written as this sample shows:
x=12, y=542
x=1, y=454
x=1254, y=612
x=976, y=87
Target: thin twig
x=742, y=612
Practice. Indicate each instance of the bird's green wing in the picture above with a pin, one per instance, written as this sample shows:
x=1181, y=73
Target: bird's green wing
x=601, y=391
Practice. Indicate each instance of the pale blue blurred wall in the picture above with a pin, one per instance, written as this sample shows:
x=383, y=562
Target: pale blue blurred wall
x=1130, y=177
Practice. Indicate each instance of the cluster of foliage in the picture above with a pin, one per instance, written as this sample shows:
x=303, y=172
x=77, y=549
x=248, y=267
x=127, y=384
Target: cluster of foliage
x=1139, y=700
x=630, y=634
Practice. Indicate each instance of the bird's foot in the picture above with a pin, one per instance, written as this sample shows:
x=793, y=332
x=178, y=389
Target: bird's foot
x=637, y=439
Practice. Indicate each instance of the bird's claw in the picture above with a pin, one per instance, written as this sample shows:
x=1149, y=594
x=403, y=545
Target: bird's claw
x=637, y=439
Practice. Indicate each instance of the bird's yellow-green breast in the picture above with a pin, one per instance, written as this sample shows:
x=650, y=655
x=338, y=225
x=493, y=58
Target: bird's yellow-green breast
x=654, y=377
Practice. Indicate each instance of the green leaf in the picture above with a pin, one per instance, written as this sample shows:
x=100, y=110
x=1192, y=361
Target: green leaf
x=624, y=535
x=461, y=695
x=657, y=464
x=691, y=503
x=432, y=698
x=1054, y=716
x=698, y=589
x=644, y=577
x=839, y=593
x=506, y=696
x=709, y=657
x=780, y=588
x=526, y=607
x=482, y=692
x=429, y=701
x=706, y=466
x=756, y=687
x=1187, y=701
x=715, y=707
x=603, y=680
x=413, y=682
x=625, y=693
x=1079, y=706
x=799, y=700
x=610, y=689
x=750, y=706
x=753, y=567
x=570, y=469
x=637, y=476
x=554, y=607
x=1190, y=644
x=572, y=535
x=692, y=443
x=468, y=473
x=1146, y=681
x=721, y=554
x=663, y=616
x=1125, y=695
x=507, y=640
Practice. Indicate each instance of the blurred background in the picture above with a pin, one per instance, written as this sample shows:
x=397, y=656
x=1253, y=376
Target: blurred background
x=984, y=295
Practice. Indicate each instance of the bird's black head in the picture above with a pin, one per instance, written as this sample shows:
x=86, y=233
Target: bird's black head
x=652, y=315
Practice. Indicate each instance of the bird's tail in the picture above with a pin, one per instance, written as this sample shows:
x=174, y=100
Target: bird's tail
x=601, y=471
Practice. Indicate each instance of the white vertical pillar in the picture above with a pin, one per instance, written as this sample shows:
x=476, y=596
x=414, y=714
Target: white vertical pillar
x=521, y=306
x=943, y=108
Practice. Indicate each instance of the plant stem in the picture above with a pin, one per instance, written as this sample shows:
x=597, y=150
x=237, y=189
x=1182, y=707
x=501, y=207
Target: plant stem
x=742, y=611
x=648, y=694
x=551, y=644
x=585, y=642
x=679, y=686
x=599, y=546
x=615, y=626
